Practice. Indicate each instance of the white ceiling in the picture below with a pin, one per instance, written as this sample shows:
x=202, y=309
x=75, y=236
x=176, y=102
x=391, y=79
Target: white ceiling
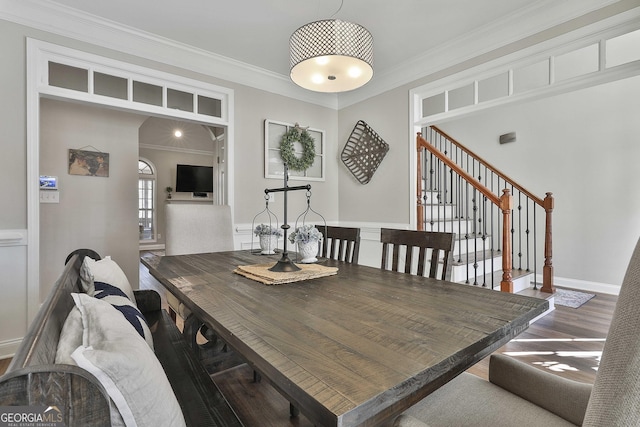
x=257, y=32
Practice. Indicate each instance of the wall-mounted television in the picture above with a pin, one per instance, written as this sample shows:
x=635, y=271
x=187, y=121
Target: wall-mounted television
x=194, y=179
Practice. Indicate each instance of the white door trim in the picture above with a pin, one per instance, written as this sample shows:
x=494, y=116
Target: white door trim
x=38, y=55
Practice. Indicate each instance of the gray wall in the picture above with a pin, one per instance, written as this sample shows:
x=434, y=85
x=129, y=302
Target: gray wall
x=384, y=200
x=252, y=107
x=94, y=212
x=580, y=146
x=584, y=148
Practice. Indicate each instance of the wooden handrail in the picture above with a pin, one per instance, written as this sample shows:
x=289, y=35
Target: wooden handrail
x=423, y=143
x=495, y=170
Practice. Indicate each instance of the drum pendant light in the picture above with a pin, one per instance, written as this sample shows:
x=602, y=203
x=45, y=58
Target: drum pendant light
x=331, y=56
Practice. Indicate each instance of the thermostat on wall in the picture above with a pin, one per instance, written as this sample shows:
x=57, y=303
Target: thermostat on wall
x=48, y=182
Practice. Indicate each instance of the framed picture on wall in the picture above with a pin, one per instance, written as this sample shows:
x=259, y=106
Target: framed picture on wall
x=274, y=132
x=88, y=163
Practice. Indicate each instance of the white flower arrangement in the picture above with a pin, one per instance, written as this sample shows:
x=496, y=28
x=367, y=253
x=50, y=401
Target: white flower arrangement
x=305, y=234
x=267, y=230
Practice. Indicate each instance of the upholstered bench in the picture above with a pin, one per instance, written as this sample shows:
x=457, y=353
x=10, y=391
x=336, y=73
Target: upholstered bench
x=34, y=378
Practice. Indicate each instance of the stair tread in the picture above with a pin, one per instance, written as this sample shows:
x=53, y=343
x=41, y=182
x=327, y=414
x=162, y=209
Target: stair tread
x=516, y=273
x=496, y=276
x=536, y=293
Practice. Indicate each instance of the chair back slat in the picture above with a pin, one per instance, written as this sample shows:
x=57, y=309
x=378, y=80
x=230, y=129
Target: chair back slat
x=439, y=245
x=340, y=243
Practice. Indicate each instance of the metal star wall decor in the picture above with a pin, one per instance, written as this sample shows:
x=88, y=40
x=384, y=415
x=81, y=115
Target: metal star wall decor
x=363, y=152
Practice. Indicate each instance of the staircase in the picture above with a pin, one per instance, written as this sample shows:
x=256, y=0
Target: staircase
x=458, y=192
x=473, y=262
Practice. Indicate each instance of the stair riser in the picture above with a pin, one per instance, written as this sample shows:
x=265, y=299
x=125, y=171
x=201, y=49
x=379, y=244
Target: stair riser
x=438, y=212
x=431, y=197
x=459, y=272
x=455, y=226
x=463, y=246
x=459, y=227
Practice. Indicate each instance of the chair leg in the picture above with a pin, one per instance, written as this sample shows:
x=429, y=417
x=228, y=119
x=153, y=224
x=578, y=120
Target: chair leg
x=293, y=411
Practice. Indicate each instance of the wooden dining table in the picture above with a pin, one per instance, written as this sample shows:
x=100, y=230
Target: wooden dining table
x=350, y=349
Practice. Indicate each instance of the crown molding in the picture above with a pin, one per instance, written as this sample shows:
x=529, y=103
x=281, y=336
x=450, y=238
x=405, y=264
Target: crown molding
x=538, y=16
x=64, y=21
x=71, y=23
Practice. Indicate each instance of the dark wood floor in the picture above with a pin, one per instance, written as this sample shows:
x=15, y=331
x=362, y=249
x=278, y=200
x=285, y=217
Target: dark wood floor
x=567, y=342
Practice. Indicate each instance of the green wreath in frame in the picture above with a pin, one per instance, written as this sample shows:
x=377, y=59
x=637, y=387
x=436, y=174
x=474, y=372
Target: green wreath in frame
x=288, y=155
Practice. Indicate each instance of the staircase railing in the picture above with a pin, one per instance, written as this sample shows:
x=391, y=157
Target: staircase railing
x=457, y=191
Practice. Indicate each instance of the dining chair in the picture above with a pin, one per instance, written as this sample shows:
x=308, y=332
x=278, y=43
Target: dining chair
x=190, y=229
x=434, y=250
x=195, y=228
x=520, y=395
x=340, y=243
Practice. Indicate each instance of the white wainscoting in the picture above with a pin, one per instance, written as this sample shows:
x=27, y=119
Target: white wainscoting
x=13, y=286
x=371, y=252
x=370, y=247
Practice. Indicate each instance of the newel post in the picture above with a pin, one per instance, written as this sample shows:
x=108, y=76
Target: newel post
x=506, y=204
x=547, y=270
x=420, y=207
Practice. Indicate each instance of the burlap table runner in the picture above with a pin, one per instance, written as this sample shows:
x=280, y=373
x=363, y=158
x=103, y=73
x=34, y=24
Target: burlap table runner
x=262, y=274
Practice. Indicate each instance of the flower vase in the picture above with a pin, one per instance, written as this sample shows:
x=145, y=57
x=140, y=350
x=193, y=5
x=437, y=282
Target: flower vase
x=268, y=244
x=308, y=251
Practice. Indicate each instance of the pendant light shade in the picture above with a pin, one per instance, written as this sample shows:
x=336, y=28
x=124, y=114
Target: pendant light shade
x=331, y=56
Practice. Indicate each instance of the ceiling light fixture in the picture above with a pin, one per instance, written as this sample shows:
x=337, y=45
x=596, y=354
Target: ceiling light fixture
x=331, y=56
x=177, y=133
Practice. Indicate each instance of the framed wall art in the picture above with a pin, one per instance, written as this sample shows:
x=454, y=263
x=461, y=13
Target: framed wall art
x=88, y=163
x=305, y=147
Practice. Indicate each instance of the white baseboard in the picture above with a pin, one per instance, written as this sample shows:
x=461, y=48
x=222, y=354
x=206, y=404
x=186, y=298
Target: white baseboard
x=9, y=348
x=583, y=285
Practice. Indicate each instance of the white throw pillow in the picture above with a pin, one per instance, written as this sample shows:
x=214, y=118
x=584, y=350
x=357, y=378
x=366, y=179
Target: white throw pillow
x=125, y=365
x=70, y=337
x=70, y=340
x=119, y=300
x=107, y=271
x=86, y=277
